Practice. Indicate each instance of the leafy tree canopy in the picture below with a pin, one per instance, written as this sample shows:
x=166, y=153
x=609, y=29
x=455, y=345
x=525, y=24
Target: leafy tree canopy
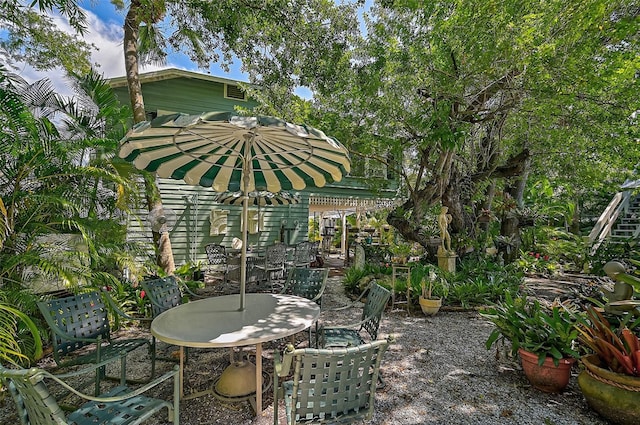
x=31, y=35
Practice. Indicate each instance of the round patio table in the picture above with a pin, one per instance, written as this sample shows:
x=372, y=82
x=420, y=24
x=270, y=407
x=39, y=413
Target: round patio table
x=217, y=322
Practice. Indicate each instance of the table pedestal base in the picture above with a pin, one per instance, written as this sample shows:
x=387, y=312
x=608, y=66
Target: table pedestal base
x=237, y=380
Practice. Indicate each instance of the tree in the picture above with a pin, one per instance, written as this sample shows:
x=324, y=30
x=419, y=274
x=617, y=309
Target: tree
x=32, y=36
x=481, y=95
x=278, y=41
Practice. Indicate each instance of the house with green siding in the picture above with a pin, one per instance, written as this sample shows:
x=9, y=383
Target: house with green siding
x=199, y=220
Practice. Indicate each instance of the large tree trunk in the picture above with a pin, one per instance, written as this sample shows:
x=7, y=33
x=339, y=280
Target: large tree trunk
x=152, y=192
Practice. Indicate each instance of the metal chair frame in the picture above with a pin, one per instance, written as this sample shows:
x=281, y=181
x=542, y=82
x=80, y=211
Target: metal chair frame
x=307, y=283
x=377, y=298
x=301, y=257
x=81, y=320
x=328, y=385
x=218, y=260
x=274, y=260
x=165, y=293
x=119, y=406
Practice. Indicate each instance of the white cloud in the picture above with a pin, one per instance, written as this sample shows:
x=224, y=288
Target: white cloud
x=107, y=55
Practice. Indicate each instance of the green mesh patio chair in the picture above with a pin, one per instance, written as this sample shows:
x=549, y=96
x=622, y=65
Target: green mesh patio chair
x=165, y=293
x=307, y=283
x=37, y=405
x=357, y=333
x=79, y=321
x=335, y=385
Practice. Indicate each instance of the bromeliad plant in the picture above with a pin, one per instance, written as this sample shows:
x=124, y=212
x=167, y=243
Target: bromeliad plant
x=534, y=328
x=618, y=348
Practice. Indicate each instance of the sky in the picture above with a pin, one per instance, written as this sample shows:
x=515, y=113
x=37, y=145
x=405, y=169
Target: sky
x=105, y=32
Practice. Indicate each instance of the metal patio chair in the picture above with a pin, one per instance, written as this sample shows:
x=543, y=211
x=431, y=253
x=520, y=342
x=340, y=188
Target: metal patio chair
x=352, y=334
x=165, y=293
x=335, y=385
x=301, y=257
x=82, y=320
x=119, y=406
x=272, y=267
x=307, y=283
x=218, y=261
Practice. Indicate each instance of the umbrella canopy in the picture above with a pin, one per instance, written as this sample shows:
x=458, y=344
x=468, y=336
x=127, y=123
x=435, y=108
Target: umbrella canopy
x=228, y=152
x=260, y=199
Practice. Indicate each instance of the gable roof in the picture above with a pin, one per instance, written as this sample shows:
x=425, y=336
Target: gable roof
x=169, y=73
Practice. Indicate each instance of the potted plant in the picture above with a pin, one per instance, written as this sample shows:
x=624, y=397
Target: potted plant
x=610, y=380
x=429, y=302
x=544, y=338
x=400, y=252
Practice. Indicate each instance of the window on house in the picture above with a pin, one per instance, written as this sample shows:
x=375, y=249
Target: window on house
x=234, y=92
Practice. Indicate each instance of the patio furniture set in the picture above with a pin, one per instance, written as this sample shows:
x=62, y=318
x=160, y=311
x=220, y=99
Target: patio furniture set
x=270, y=264
x=334, y=379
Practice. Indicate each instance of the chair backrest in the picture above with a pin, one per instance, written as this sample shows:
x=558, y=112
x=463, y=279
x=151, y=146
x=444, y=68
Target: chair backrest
x=36, y=405
x=332, y=385
x=377, y=299
x=78, y=316
x=307, y=283
x=164, y=293
x=301, y=255
x=216, y=254
x=275, y=255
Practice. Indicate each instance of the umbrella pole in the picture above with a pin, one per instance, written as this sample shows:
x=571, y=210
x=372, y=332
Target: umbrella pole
x=245, y=218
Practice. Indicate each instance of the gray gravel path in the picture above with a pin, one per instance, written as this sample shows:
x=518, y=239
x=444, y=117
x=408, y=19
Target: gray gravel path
x=436, y=372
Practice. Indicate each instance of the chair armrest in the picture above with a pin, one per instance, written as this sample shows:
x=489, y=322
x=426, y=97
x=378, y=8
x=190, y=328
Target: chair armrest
x=350, y=326
x=119, y=311
x=184, y=287
x=282, y=368
x=69, y=337
x=129, y=394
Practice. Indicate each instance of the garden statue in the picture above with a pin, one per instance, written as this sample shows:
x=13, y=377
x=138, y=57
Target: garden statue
x=443, y=221
x=446, y=257
x=620, y=300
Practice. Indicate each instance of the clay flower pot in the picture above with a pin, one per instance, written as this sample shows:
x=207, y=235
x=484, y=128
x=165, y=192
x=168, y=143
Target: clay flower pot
x=546, y=377
x=430, y=306
x=614, y=396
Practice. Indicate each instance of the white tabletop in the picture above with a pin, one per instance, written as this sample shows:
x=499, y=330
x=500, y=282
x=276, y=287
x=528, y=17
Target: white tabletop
x=217, y=322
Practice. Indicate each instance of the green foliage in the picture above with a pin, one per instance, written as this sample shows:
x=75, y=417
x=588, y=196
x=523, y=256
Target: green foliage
x=33, y=37
x=20, y=336
x=353, y=276
x=482, y=280
x=127, y=296
x=60, y=219
x=62, y=200
x=534, y=328
x=610, y=251
x=553, y=249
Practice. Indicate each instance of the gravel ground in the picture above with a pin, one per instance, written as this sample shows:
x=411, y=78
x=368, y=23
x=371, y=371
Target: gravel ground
x=436, y=372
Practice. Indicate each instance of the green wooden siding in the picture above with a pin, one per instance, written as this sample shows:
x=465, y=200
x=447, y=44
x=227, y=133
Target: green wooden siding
x=191, y=231
x=192, y=93
x=184, y=95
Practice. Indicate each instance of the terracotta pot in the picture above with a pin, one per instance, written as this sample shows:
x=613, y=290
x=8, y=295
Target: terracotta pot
x=548, y=377
x=430, y=306
x=614, y=396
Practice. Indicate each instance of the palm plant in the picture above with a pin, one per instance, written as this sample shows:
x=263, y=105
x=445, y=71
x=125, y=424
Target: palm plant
x=60, y=194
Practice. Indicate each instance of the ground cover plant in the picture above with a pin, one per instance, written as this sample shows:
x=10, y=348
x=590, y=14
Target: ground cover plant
x=478, y=281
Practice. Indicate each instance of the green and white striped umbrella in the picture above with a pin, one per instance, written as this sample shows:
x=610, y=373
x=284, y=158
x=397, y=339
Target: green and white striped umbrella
x=228, y=152
x=260, y=199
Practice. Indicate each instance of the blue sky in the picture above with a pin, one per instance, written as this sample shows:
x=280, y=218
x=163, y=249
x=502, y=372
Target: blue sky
x=105, y=32
x=110, y=17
